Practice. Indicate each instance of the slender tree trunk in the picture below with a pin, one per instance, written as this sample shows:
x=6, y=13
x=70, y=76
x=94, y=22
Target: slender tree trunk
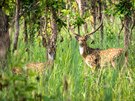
x=126, y=31
x=53, y=37
x=43, y=29
x=68, y=16
x=127, y=25
x=16, y=25
x=80, y=6
x=93, y=12
x=100, y=19
x=122, y=26
x=4, y=38
x=46, y=38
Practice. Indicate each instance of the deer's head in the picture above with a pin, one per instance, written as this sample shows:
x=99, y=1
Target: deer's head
x=82, y=39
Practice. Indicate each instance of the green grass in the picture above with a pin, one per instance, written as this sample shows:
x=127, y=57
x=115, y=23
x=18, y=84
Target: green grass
x=83, y=85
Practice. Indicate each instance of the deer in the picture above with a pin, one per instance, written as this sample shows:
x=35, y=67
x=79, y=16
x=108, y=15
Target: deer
x=41, y=66
x=95, y=57
x=38, y=67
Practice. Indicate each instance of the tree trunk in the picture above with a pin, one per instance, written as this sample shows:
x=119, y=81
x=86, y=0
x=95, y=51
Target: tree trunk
x=80, y=6
x=44, y=25
x=100, y=19
x=93, y=12
x=53, y=37
x=43, y=29
x=122, y=26
x=127, y=25
x=16, y=25
x=4, y=38
x=68, y=16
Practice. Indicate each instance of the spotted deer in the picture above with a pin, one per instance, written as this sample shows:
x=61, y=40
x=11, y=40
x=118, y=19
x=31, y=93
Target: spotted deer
x=38, y=67
x=41, y=66
x=96, y=58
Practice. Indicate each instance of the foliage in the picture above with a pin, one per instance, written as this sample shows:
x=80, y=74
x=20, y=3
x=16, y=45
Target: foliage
x=79, y=21
x=9, y=7
x=122, y=8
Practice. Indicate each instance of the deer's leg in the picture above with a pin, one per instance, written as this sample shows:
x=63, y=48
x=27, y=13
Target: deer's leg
x=113, y=63
x=94, y=65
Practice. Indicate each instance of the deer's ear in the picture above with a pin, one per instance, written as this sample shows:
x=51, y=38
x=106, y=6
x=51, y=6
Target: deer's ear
x=77, y=36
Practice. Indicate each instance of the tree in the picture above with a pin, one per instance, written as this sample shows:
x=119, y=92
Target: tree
x=16, y=25
x=53, y=38
x=4, y=38
x=100, y=19
x=93, y=12
x=51, y=23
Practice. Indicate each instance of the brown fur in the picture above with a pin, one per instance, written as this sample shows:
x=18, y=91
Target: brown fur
x=39, y=66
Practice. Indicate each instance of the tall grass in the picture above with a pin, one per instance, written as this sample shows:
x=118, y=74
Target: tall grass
x=70, y=79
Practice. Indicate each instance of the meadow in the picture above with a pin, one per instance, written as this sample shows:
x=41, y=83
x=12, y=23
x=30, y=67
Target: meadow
x=70, y=79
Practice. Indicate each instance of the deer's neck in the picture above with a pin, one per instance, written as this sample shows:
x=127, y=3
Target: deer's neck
x=82, y=50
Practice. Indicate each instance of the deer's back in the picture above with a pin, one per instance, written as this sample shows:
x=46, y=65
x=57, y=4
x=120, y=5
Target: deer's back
x=98, y=57
x=39, y=66
x=109, y=55
x=35, y=66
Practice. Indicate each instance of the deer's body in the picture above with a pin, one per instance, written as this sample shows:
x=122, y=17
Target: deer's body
x=38, y=66
x=98, y=57
x=41, y=66
x=35, y=66
x=110, y=55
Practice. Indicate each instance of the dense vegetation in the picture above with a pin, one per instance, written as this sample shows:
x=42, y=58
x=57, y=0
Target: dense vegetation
x=70, y=79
